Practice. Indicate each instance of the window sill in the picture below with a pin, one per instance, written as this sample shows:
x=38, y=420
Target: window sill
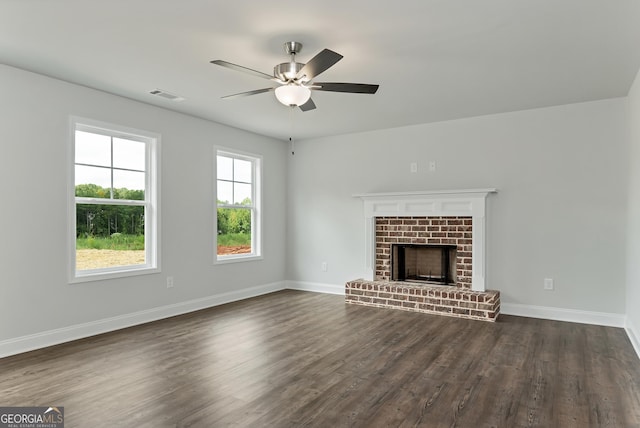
x=100, y=275
x=221, y=260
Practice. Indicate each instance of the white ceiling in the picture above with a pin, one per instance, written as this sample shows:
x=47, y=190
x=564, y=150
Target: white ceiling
x=434, y=59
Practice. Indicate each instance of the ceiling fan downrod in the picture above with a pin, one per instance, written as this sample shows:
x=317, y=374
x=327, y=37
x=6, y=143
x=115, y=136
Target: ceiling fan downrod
x=287, y=71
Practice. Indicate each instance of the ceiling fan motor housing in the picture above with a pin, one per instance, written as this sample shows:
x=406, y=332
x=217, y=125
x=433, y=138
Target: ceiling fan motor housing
x=287, y=70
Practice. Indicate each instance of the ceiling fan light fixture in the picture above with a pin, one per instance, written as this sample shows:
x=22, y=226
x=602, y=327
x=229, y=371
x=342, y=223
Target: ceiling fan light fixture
x=293, y=95
x=298, y=79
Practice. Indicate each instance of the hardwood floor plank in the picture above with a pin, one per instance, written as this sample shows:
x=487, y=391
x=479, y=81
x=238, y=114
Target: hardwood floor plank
x=297, y=359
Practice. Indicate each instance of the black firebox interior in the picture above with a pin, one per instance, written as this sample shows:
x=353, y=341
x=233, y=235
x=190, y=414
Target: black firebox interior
x=429, y=263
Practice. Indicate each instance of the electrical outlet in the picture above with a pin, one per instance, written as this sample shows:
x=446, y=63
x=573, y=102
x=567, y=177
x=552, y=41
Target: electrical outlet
x=413, y=167
x=169, y=282
x=548, y=283
x=432, y=166
x=324, y=267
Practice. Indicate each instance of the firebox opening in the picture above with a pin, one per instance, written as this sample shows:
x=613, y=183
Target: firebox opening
x=424, y=263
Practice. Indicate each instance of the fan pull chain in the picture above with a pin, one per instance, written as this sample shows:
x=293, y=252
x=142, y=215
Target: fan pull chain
x=291, y=140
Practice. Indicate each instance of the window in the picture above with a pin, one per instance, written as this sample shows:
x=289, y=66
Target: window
x=238, y=206
x=114, y=202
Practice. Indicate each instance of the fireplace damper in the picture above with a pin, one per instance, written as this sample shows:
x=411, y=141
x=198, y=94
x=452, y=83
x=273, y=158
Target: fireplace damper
x=424, y=263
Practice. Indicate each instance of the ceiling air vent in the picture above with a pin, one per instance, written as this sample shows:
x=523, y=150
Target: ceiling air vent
x=166, y=95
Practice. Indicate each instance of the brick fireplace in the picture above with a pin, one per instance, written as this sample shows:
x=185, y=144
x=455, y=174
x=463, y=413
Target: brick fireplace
x=454, y=231
x=454, y=219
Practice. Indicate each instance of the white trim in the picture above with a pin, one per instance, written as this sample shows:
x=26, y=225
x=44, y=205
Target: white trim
x=236, y=258
x=152, y=226
x=256, y=207
x=430, y=203
x=66, y=334
x=560, y=314
x=632, y=333
x=112, y=273
x=316, y=287
x=425, y=193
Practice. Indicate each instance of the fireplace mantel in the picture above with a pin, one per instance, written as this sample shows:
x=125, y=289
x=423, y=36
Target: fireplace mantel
x=427, y=193
x=464, y=202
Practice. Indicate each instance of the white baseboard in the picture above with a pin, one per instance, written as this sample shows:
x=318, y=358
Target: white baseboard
x=632, y=332
x=559, y=314
x=315, y=287
x=66, y=334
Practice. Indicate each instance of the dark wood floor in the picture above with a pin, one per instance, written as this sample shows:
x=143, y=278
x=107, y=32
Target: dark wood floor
x=294, y=359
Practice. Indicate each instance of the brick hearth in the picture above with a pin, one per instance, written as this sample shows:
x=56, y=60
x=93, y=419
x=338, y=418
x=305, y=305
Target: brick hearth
x=441, y=300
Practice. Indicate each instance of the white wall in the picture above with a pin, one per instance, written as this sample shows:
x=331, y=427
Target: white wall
x=633, y=232
x=560, y=210
x=35, y=296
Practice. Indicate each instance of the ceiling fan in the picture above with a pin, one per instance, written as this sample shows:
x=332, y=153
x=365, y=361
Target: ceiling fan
x=296, y=79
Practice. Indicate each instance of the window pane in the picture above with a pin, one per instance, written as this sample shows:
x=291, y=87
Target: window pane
x=224, y=168
x=234, y=231
x=128, y=154
x=128, y=185
x=242, y=193
x=225, y=192
x=93, y=149
x=241, y=170
x=109, y=236
x=93, y=182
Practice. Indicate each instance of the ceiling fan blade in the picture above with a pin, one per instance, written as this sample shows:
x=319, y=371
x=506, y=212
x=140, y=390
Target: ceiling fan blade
x=242, y=69
x=246, y=94
x=309, y=105
x=354, y=88
x=318, y=64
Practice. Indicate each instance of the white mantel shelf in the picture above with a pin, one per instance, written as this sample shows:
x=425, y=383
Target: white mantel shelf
x=429, y=203
x=424, y=193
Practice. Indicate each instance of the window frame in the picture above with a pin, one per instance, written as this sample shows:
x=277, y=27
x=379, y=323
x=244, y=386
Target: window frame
x=151, y=202
x=256, y=207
